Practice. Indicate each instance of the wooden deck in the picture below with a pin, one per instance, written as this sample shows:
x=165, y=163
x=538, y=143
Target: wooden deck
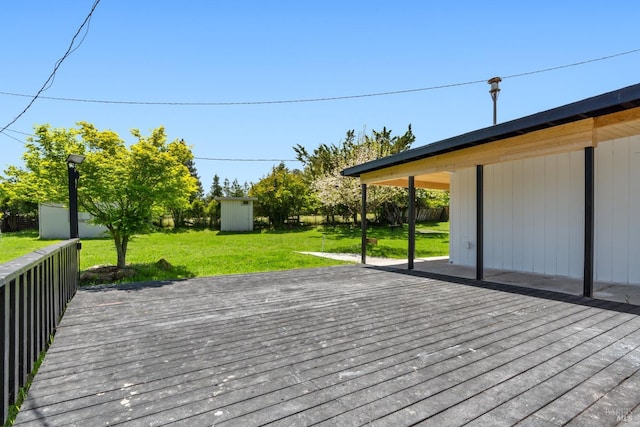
x=338, y=346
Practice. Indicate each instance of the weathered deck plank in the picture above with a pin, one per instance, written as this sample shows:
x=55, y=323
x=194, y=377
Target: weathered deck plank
x=337, y=346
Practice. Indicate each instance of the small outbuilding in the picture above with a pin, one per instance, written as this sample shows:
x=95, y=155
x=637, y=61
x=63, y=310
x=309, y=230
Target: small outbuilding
x=54, y=223
x=236, y=213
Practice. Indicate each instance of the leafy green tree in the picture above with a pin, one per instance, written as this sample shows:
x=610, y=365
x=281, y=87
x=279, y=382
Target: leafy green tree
x=281, y=194
x=181, y=213
x=198, y=211
x=213, y=212
x=122, y=187
x=433, y=198
x=12, y=204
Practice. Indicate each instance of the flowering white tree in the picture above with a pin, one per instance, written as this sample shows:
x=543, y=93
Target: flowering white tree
x=337, y=192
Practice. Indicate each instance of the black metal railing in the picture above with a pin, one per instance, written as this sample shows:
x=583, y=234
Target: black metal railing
x=34, y=291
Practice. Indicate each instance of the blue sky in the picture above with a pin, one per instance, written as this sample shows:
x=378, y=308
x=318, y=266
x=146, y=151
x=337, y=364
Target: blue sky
x=246, y=51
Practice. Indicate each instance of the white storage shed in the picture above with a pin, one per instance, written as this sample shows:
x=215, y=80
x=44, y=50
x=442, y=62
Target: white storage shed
x=53, y=222
x=236, y=213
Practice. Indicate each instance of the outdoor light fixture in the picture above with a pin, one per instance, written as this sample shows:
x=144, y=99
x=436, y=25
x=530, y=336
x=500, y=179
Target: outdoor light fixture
x=494, y=91
x=74, y=175
x=75, y=159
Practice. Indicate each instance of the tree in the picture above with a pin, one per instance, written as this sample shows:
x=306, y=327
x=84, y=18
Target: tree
x=12, y=203
x=281, y=194
x=323, y=169
x=212, y=206
x=181, y=213
x=122, y=188
x=236, y=189
x=226, y=188
x=216, y=189
x=213, y=212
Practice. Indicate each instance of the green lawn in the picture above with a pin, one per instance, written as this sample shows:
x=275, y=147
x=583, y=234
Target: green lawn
x=14, y=245
x=207, y=253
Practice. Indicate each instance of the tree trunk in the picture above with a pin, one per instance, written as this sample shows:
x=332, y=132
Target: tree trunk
x=122, y=252
x=121, y=243
x=178, y=217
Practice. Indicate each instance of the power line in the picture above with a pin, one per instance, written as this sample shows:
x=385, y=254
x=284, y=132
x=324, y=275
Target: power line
x=49, y=80
x=575, y=64
x=17, y=131
x=324, y=99
x=244, y=160
x=13, y=137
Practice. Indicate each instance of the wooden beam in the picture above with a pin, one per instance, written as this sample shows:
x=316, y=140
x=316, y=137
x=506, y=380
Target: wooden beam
x=559, y=139
x=402, y=182
x=625, y=116
x=435, y=181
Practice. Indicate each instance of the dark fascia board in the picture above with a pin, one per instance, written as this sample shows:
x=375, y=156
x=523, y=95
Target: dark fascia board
x=606, y=103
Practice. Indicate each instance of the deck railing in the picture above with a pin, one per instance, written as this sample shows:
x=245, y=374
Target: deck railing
x=34, y=291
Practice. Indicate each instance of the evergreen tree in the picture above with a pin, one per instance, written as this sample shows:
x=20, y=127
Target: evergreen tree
x=199, y=194
x=216, y=189
x=226, y=188
x=236, y=189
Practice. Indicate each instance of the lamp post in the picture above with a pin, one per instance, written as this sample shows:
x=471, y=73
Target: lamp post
x=494, y=91
x=72, y=161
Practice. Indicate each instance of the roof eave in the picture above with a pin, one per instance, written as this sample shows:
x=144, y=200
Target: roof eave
x=610, y=102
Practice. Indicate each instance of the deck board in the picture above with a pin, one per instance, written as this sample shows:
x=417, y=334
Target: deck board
x=337, y=346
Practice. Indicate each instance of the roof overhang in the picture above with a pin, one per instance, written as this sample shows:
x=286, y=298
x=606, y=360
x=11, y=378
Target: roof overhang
x=567, y=128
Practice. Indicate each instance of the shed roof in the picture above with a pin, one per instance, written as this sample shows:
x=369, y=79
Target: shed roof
x=221, y=199
x=605, y=104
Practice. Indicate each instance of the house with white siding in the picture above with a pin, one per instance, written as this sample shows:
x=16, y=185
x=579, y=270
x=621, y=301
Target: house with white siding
x=554, y=193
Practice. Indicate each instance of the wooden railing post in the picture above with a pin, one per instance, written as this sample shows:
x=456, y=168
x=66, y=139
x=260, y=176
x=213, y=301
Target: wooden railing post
x=34, y=292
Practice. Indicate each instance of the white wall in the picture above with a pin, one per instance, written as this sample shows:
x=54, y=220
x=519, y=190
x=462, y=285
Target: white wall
x=53, y=222
x=462, y=217
x=534, y=214
x=235, y=215
x=617, y=221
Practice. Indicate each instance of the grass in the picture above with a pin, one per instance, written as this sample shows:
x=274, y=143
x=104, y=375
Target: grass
x=14, y=409
x=392, y=243
x=197, y=253
x=15, y=245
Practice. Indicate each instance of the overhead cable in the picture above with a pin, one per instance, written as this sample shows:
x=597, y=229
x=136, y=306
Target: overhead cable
x=245, y=160
x=49, y=80
x=321, y=99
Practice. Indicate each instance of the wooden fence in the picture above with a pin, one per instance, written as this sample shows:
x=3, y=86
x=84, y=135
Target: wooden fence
x=34, y=292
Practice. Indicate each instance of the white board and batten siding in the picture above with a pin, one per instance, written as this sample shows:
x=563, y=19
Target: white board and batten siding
x=236, y=213
x=534, y=214
x=617, y=219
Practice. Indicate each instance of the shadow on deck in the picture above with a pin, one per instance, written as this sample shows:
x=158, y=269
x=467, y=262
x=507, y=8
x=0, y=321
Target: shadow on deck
x=345, y=345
